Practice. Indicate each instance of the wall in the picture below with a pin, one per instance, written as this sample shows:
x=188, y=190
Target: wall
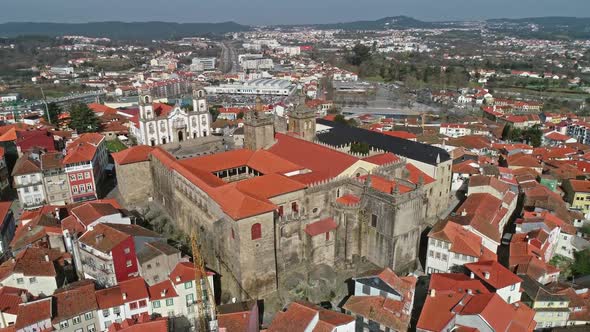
x=134, y=182
x=42, y=285
x=120, y=259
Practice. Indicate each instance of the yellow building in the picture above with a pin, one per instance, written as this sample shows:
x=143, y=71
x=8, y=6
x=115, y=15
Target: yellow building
x=552, y=309
x=578, y=194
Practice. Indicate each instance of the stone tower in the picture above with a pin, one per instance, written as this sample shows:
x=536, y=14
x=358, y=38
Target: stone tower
x=258, y=128
x=302, y=121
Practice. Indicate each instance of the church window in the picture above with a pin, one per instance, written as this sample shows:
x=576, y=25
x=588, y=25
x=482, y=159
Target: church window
x=151, y=128
x=256, y=231
x=294, y=207
x=373, y=220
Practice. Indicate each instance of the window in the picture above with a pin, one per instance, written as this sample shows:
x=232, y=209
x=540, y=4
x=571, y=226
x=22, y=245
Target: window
x=374, y=221
x=444, y=257
x=437, y=255
x=366, y=290
x=327, y=236
x=508, y=300
x=79, y=330
x=107, y=324
x=142, y=303
x=431, y=253
x=20, y=281
x=116, y=310
x=105, y=313
x=155, y=304
x=75, y=189
x=91, y=328
x=512, y=287
x=188, y=285
x=233, y=235
x=78, y=319
x=189, y=300
x=80, y=176
x=294, y=207
x=88, y=315
x=63, y=324
x=280, y=211
x=127, y=250
x=89, y=186
x=133, y=305
x=128, y=263
x=169, y=302
x=256, y=231
x=72, y=177
x=87, y=175
x=149, y=266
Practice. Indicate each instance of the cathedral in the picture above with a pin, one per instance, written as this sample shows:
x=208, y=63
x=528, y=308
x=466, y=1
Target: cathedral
x=161, y=123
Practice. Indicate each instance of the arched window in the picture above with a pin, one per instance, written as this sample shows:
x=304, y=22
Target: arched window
x=256, y=231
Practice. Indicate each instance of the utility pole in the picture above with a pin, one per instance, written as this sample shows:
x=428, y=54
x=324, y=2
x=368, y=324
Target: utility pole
x=46, y=107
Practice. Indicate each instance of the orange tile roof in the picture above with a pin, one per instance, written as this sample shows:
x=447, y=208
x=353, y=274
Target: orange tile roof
x=184, y=272
x=87, y=213
x=580, y=186
x=103, y=238
x=483, y=212
x=523, y=160
x=132, y=155
x=400, y=134
x=109, y=297
x=33, y=312
x=10, y=298
x=348, y=199
x=462, y=241
x=268, y=186
x=382, y=159
x=162, y=290
x=384, y=311
x=498, y=276
x=73, y=300
x=320, y=227
x=134, y=289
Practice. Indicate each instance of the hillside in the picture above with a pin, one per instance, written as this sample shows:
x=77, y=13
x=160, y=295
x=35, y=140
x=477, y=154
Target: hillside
x=395, y=22
x=120, y=30
x=544, y=27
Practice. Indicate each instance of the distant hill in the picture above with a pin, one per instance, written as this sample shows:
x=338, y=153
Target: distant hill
x=545, y=27
x=120, y=30
x=394, y=22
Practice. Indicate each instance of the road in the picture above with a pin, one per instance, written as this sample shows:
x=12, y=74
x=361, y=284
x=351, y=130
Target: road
x=229, y=58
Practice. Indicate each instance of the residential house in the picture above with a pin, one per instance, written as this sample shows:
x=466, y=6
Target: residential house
x=577, y=193
x=135, y=297
x=551, y=307
x=497, y=278
x=304, y=316
x=111, y=307
x=4, y=174
x=451, y=245
x=34, y=316
x=28, y=181
x=156, y=260
x=142, y=323
x=75, y=308
x=55, y=180
x=382, y=301
x=84, y=163
x=164, y=300
x=454, y=130
x=241, y=316
x=457, y=302
x=11, y=298
x=183, y=277
x=526, y=257
x=43, y=231
x=40, y=271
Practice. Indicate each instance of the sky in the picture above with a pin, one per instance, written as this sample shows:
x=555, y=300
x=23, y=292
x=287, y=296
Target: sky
x=261, y=12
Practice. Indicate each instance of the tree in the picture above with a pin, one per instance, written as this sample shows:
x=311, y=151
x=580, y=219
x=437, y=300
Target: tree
x=360, y=53
x=506, y=132
x=362, y=148
x=83, y=119
x=340, y=119
x=54, y=111
x=581, y=266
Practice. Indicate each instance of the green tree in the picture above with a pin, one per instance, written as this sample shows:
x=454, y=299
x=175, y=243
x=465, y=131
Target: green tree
x=54, y=111
x=581, y=266
x=340, y=119
x=83, y=119
x=360, y=53
x=506, y=132
x=362, y=148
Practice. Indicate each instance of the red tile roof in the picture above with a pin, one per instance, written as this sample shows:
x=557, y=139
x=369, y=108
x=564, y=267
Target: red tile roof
x=384, y=311
x=348, y=199
x=142, y=324
x=134, y=289
x=483, y=212
x=73, y=300
x=109, y=297
x=33, y=312
x=523, y=160
x=382, y=159
x=162, y=290
x=580, y=186
x=462, y=241
x=87, y=213
x=103, y=238
x=184, y=272
x=10, y=298
x=497, y=275
x=400, y=134
x=320, y=227
x=31, y=262
x=132, y=155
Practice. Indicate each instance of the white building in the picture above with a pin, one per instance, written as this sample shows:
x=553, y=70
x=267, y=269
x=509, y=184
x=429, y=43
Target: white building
x=28, y=181
x=504, y=283
x=8, y=98
x=202, y=64
x=161, y=124
x=262, y=86
x=454, y=130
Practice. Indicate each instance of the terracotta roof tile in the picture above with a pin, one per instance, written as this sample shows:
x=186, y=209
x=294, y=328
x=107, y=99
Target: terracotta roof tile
x=321, y=227
x=132, y=155
x=33, y=312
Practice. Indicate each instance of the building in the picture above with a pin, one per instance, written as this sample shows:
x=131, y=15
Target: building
x=456, y=301
x=7, y=227
x=162, y=124
x=28, y=181
x=262, y=86
x=108, y=255
x=110, y=307
x=156, y=260
x=498, y=279
x=55, y=179
x=551, y=307
x=39, y=271
x=577, y=193
x=382, y=301
x=75, y=308
x=454, y=130
x=9, y=98
x=580, y=131
x=84, y=164
x=241, y=316
x=34, y=316
x=304, y=316
x=132, y=164
x=4, y=174
x=202, y=64
x=12, y=298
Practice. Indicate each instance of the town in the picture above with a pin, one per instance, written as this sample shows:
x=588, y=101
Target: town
x=389, y=175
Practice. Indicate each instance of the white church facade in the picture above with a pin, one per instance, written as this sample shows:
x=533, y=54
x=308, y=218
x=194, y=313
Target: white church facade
x=162, y=124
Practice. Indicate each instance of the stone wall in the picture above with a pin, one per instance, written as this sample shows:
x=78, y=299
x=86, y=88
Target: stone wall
x=135, y=183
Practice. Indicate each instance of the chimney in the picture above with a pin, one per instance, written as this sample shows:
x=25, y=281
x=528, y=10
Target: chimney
x=432, y=292
x=57, y=213
x=469, y=291
x=46, y=258
x=486, y=275
x=163, y=293
x=472, y=275
x=99, y=238
x=124, y=296
x=178, y=279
